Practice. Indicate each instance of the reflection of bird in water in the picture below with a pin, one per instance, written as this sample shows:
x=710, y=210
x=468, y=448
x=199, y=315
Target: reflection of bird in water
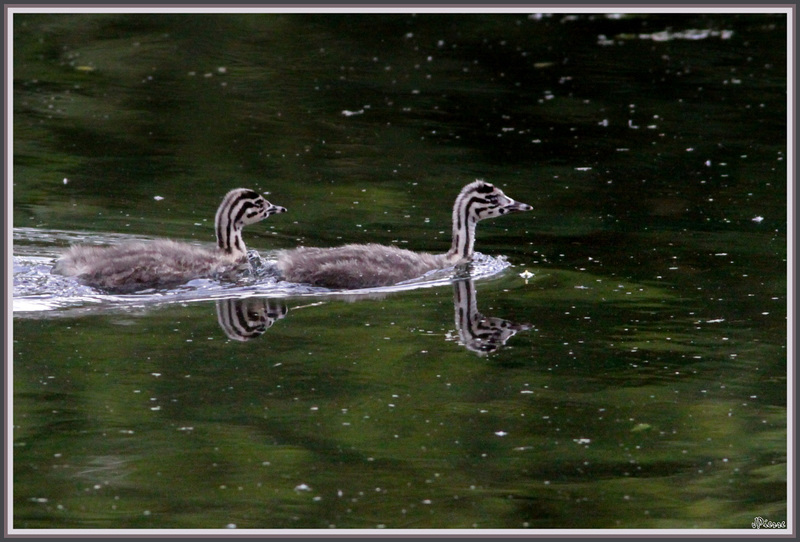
x=164, y=263
x=365, y=266
x=479, y=333
x=245, y=319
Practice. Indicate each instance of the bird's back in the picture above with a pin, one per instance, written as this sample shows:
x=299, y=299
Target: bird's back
x=356, y=266
x=136, y=266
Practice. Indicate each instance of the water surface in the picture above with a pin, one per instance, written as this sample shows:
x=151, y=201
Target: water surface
x=615, y=359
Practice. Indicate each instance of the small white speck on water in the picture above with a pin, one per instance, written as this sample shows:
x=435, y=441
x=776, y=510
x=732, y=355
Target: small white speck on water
x=158, y=198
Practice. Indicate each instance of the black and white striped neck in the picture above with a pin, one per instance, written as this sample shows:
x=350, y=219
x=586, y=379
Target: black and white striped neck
x=477, y=201
x=239, y=208
x=246, y=319
x=479, y=333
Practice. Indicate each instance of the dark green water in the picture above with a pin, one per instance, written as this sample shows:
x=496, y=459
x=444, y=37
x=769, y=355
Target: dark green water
x=650, y=390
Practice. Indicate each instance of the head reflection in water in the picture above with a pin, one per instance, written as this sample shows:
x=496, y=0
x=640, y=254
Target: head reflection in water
x=245, y=319
x=249, y=318
x=479, y=333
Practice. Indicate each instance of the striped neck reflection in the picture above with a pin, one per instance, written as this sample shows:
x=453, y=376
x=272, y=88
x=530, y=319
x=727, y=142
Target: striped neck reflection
x=246, y=319
x=479, y=333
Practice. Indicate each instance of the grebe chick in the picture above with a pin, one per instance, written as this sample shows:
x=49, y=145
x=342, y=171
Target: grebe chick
x=164, y=263
x=370, y=265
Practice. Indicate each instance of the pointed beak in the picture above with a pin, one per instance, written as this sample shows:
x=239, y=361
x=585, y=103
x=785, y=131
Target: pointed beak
x=517, y=207
x=275, y=209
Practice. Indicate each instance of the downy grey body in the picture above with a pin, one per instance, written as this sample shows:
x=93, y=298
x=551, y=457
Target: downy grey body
x=370, y=265
x=165, y=263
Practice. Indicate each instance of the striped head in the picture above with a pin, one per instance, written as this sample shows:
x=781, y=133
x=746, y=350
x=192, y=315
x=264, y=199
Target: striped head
x=481, y=200
x=477, y=201
x=239, y=208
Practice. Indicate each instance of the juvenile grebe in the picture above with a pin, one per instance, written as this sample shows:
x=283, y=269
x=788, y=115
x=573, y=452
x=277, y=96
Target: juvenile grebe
x=164, y=263
x=371, y=265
